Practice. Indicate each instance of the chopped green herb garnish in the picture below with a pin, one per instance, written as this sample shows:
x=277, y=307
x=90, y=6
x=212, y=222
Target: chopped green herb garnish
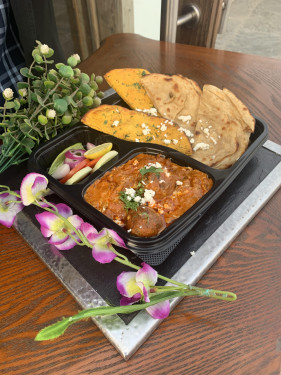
x=143, y=73
x=137, y=85
x=105, y=122
x=149, y=139
x=151, y=169
x=129, y=204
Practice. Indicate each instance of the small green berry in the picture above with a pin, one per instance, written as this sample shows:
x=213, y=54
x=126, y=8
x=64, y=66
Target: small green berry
x=99, y=80
x=87, y=101
x=42, y=119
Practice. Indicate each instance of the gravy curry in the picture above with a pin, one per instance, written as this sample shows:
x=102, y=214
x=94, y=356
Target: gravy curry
x=147, y=193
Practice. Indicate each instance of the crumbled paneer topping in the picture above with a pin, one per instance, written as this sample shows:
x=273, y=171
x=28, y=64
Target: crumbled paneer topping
x=186, y=132
x=163, y=127
x=151, y=111
x=201, y=146
x=115, y=123
x=167, y=141
x=130, y=192
x=165, y=135
x=175, y=141
x=137, y=140
x=161, y=181
x=213, y=139
x=148, y=196
x=185, y=118
x=144, y=126
x=179, y=183
x=146, y=131
x=137, y=198
x=206, y=131
x=191, y=140
x=156, y=165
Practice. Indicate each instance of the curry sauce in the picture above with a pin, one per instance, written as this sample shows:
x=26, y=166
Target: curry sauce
x=147, y=193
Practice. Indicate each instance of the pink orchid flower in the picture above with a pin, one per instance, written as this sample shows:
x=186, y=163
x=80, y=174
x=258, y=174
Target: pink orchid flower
x=137, y=286
x=102, y=249
x=61, y=234
x=10, y=205
x=33, y=188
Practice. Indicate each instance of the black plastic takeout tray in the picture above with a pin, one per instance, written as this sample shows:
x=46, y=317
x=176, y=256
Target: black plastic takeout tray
x=159, y=246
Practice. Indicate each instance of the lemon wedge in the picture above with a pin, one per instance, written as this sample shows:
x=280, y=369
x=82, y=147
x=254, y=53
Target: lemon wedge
x=98, y=151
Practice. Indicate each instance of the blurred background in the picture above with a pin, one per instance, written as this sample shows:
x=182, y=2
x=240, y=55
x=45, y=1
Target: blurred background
x=248, y=26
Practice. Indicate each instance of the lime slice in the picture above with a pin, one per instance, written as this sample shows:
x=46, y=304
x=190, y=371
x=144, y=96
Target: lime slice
x=98, y=151
x=105, y=159
x=60, y=158
x=78, y=176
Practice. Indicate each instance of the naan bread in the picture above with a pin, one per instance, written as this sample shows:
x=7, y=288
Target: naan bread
x=137, y=126
x=224, y=125
x=175, y=97
x=127, y=83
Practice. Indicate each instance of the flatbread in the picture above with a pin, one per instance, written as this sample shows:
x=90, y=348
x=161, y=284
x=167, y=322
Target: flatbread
x=224, y=125
x=137, y=126
x=127, y=83
x=175, y=97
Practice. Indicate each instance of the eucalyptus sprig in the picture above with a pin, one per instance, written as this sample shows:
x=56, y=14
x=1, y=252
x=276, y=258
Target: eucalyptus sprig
x=49, y=100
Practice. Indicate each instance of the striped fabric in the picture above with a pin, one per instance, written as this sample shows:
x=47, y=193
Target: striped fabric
x=11, y=54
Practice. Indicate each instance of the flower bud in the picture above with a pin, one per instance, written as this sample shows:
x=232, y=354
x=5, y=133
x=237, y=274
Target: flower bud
x=44, y=49
x=51, y=113
x=42, y=119
x=96, y=102
x=99, y=80
x=8, y=94
x=23, y=92
x=71, y=61
x=87, y=101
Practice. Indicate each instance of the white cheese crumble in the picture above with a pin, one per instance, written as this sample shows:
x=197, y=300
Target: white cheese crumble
x=179, y=183
x=148, y=196
x=186, y=132
x=161, y=181
x=146, y=131
x=167, y=141
x=156, y=165
x=175, y=141
x=115, y=123
x=201, y=146
x=191, y=140
x=206, y=131
x=185, y=118
x=163, y=127
x=137, y=140
x=213, y=139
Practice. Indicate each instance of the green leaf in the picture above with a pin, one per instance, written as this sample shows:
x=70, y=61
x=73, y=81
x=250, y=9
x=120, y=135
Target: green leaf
x=28, y=144
x=10, y=105
x=60, y=105
x=17, y=104
x=25, y=72
x=39, y=69
x=22, y=85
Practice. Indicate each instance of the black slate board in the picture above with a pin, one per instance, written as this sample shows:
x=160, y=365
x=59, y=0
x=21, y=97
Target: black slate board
x=103, y=277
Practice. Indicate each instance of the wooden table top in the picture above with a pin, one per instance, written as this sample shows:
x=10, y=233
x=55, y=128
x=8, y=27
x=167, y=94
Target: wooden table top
x=201, y=336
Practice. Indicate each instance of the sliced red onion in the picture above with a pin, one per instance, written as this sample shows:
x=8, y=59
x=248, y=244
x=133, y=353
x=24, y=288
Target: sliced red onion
x=75, y=154
x=89, y=145
x=72, y=162
x=61, y=171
